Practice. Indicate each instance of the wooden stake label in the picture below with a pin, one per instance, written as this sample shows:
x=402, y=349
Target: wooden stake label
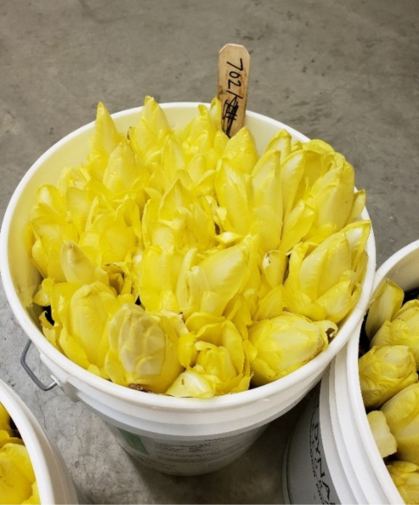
x=233, y=79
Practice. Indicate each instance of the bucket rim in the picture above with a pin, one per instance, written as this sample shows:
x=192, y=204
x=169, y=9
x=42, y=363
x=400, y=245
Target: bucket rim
x=260, y=393
x=393, y=260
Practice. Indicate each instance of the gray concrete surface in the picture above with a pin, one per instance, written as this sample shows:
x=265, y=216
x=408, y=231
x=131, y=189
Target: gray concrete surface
x=346, y=72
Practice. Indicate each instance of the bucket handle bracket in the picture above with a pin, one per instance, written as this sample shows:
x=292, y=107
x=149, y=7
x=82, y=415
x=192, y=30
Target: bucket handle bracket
x=29, y=371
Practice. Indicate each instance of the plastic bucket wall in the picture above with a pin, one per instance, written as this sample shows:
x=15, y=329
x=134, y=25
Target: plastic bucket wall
x=158, y=428
x=54, y=481
x=332, y=456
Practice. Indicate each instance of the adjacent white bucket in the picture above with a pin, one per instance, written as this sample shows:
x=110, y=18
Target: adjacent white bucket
x=173, y=435
x=332, y=456
x=54, y=481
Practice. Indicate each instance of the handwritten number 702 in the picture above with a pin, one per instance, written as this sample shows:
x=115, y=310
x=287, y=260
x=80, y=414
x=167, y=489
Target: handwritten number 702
x=231, y=107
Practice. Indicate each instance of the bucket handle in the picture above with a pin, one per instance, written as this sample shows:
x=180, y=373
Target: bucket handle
x=29, y=371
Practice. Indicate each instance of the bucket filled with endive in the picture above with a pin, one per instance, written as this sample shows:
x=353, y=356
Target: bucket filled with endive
x=358, y=439
x=186, y=286
x=32, y=470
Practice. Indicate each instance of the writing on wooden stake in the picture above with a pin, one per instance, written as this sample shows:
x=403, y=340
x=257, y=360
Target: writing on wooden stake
x=233, y=77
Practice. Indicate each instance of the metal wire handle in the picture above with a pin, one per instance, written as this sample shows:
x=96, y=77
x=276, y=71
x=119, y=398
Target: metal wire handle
x=31, y=374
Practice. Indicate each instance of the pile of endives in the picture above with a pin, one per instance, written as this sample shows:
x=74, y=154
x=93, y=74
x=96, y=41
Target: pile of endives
x=178, y=261
x=389, y=384
x=17, y=478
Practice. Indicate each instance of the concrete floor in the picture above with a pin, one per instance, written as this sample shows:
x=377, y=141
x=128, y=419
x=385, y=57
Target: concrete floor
x=346, y=72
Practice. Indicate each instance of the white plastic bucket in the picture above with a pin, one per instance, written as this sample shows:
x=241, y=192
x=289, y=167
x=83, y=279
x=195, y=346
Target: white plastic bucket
x=173, y=435
x=332, y=456
x=54, y=481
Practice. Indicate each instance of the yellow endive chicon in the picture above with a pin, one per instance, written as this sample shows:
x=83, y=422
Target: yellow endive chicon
x=386, y=301
x=403, y=329
x=402, y=414
x=405, y=476
x=172, y=256
x=325, y=280
x=50, y=228
x=384, y=371
x=383, y=437
x=284, y=343
x=215, y=360
x=143, y=348
x=17, y=478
